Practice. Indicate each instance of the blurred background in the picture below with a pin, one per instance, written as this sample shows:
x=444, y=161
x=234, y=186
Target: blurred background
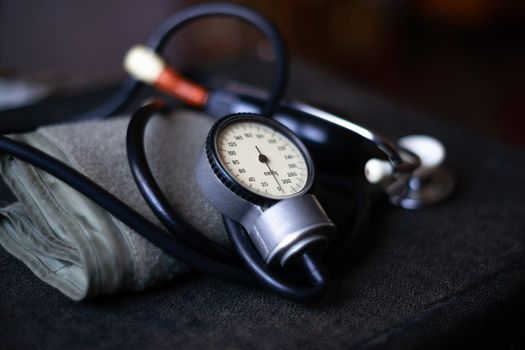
x=459, y=60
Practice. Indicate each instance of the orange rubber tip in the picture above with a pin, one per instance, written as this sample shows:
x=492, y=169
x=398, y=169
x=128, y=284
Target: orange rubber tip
x=172, y=83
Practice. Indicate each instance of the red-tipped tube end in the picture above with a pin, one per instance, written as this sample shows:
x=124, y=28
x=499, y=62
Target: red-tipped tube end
x=147, y=66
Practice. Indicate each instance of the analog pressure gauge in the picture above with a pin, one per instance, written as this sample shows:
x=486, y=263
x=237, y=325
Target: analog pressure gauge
x=259, y=158
x=257, y=172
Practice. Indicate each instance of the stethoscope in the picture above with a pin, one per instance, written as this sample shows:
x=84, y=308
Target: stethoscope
x=256, y=169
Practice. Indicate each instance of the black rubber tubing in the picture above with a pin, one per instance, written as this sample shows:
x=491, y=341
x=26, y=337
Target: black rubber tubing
x=161, y=36
x=216, y=261
x=164, y=211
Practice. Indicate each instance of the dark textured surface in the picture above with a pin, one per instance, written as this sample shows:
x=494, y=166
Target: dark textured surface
x=451, y=275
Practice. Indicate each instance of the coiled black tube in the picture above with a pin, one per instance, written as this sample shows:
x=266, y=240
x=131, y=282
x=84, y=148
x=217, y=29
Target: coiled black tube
x=171, y=244
x=158, y=203
x=184, y=242
x=159, y=39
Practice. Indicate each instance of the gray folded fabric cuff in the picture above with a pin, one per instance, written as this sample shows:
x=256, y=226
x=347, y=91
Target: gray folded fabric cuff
x=74, y=245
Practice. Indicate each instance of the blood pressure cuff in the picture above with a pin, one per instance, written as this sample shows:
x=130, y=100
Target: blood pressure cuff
x=76, y=246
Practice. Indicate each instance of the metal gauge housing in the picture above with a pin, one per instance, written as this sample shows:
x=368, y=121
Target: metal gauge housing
x=259, y=159
x=257, y=172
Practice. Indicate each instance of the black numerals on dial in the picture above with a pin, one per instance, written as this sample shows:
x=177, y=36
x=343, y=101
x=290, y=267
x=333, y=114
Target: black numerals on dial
x=262, y=159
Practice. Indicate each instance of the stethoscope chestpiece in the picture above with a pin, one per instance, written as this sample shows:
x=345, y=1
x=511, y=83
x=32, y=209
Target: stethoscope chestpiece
x=424, y=188
x=428, y=184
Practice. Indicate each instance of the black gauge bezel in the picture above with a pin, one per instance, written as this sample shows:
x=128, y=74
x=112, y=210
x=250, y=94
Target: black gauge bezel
x=229, y=180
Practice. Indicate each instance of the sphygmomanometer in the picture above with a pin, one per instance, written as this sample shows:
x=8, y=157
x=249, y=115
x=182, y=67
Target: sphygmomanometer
x=256, y=169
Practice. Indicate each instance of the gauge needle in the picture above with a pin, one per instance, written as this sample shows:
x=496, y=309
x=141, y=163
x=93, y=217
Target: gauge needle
x=264, y=159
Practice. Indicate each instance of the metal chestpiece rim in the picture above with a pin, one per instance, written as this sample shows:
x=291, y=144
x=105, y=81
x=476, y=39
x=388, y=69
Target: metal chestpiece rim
x=421, y=189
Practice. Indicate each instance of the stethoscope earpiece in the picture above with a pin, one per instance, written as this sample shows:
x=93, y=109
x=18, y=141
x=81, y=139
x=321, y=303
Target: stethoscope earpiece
x=426, y=185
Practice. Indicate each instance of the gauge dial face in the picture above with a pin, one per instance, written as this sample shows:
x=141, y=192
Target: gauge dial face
x=262, y=159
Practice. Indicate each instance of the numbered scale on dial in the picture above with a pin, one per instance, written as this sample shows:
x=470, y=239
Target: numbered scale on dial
x=262, y=156
x=262, y=159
